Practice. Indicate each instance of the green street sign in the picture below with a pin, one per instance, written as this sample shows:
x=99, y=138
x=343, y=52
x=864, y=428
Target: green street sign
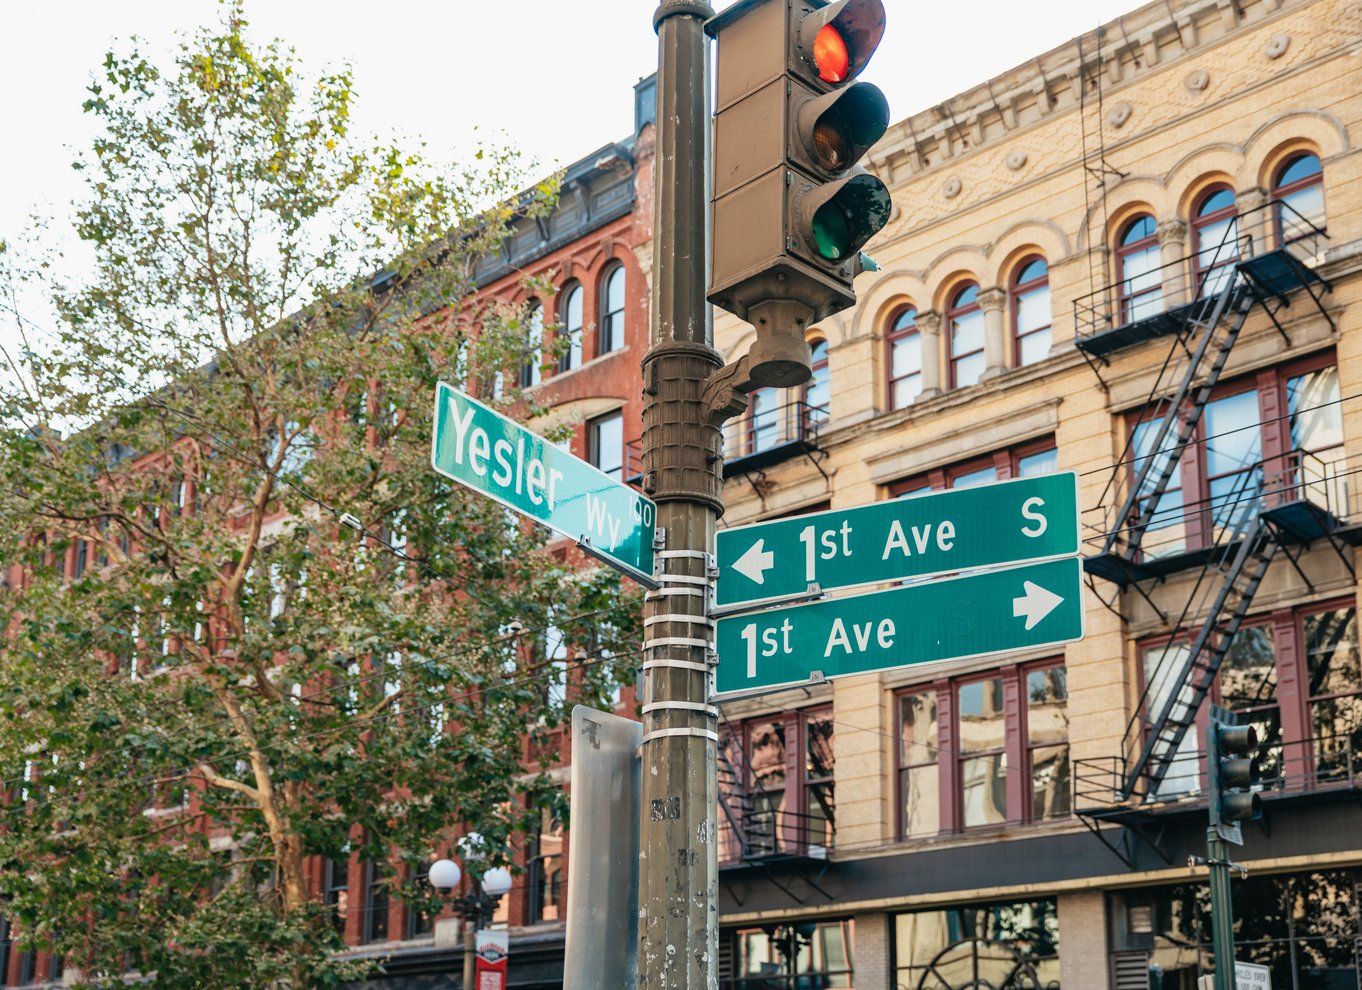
x=483, y=450
x=1020, y=608
x=1009, y=522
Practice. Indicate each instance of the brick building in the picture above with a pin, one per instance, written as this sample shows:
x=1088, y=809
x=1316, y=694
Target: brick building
x=1133, y=257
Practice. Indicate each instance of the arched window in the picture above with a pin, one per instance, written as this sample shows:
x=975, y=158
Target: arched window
x=966, y=321
x=1139, y=278
x=570, y=326
x=1299, y=192
x=1030, y=312
x=905, y=359
x=612, y=310
x=532, y=372
x=1215, y=239
x=817, y=393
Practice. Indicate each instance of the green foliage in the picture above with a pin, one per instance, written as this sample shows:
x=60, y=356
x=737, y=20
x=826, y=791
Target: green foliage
x=238, y=680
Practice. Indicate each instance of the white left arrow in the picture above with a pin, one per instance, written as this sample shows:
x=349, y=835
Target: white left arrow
x=754, y=564
x=1036, y=604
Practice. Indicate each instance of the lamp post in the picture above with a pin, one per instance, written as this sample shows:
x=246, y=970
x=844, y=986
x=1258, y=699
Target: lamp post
x=475, y=907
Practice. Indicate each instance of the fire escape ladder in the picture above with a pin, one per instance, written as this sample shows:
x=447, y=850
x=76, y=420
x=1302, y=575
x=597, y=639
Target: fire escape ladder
x=1188, y=686
x=1213, y=328
x=734, y=800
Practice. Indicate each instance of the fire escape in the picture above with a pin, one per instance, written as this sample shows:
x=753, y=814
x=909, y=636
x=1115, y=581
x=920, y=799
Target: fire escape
x=1143, y=531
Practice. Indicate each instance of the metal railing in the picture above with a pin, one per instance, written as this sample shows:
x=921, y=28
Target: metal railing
x=770, y=428
x=757, y=833
x=1276, y=225
x=1322, y=763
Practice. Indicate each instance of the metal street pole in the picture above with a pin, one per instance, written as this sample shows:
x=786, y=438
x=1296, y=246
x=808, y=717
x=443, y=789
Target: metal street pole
x=1222, y=912
x=678, y=876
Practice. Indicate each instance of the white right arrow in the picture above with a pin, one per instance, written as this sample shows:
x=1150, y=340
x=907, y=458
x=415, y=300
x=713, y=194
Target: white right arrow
x=1036, y=604
x=754, y=564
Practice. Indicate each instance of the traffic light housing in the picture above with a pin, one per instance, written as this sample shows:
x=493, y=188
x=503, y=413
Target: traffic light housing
x=1231, y=769
x=790, y=207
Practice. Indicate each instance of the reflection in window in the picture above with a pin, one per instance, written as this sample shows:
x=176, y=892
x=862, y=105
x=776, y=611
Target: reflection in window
x=1215, y=240
x=905, y=359
x=1335, y=689
x=983, y=753
x=605, y=438
x=532, y=372
x=612, y=311
x=546, y=871
x=1234, y=453
x=918, y=774
x=375, y=927
x=336, y=890
x=817, y=392
x=766, y=764
x=763, y=420
x=1302, y=926
x=570, y=325
x=1161, y=667
x=979, y=476
x=1041, y=462
x=1248, y=686
x=1140, y=280
x=1031, y=312
x=1317, y=431
x=1047, y=733
x=1166, y=532
x=1005, y=946
x=1299, y=193
x=790, y=956
x=966, y=320
x=820, y=798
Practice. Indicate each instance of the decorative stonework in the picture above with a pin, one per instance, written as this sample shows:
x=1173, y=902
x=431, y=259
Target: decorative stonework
x=1120, y=114
x=1197, y=81
x=1016, y=160
x=952, y=188
x=1277, y=45
x=992, y=300
x=895, y=211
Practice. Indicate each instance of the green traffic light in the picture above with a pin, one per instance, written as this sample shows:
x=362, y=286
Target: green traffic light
x=831, y=232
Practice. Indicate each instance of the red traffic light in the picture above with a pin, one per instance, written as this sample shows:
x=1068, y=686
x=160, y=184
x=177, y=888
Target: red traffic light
x=830, y=54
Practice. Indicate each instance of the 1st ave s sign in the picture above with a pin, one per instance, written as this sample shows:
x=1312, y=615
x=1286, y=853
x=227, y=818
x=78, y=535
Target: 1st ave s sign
x=1008, y=522
x=496, y=456
x=1019, y=608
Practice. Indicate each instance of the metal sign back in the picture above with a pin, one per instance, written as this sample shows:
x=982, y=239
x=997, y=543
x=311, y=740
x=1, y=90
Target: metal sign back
x=603, y=846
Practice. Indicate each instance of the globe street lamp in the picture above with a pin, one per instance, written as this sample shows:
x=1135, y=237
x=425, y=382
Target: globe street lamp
x=477, y=906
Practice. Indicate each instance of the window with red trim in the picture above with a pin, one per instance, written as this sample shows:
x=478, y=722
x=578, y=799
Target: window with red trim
x=1215, y=239
x=965, y=318
x=1022, y=461
x=1298, y=190
x=905, y=359
x=1139, y=279
x=1030, y=307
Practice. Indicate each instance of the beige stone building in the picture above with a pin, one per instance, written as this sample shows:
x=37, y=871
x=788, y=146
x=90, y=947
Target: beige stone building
x=1135, y=257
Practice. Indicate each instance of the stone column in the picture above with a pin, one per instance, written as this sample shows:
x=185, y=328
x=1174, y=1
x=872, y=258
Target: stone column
x=1083, y=958
x=1255, y=224
x=929, y=325
x=992, y=302
x=1172, y=235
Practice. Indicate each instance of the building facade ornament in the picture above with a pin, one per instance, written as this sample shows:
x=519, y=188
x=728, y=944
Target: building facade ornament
x=1197, y=81
x=929, y=325
x=1120, y=114
x=1277, y=45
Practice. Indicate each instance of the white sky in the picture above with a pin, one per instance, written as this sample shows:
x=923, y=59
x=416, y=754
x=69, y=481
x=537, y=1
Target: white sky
x=555, y=77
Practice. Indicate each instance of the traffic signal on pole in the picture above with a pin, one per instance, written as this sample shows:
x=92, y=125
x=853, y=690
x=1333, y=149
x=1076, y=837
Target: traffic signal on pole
x=791, y=209
x=1231, y=769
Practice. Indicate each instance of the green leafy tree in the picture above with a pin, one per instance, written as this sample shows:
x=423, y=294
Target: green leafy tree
x=287, y=637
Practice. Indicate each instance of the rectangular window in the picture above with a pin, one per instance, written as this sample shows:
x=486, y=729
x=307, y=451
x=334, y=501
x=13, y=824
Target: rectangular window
x=1022, y=461
x=419, y=922
x=789, y=956
x=983, y=752
x=82, y=556
x=605, y=437
x=919, y=787
x=335, y=890
x=982, y=945
x=546, y=871
x=375, y=903
x=1047, y=742
x=1334, y=674
x=819, y=786
x=1248, y=686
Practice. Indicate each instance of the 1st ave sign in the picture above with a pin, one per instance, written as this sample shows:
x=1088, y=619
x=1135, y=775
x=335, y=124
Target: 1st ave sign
x=999, y=611
x=496, y=456
x=1025, y=519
